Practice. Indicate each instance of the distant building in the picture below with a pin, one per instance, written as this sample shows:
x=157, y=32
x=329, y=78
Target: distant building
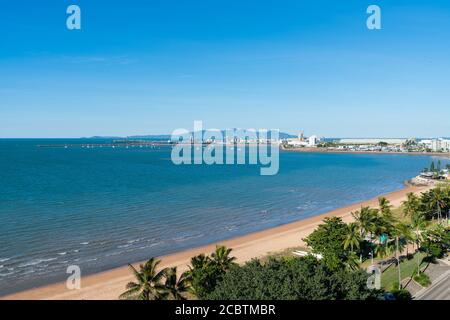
x=426, y=142
x=368, y=141
x=297, y=143
x=440, y=145
x=301, y=137
x=301, y=141
x=312, y=141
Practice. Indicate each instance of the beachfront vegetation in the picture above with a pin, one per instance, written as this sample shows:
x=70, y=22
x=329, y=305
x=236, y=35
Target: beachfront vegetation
x=151, y=284
x=401, y=241
x=206, y=272
x=401, y=294
x=177, y=287
x=328, y=240
x=381, y=234
x=219, y=277
x=292, y=278
x=437, y=171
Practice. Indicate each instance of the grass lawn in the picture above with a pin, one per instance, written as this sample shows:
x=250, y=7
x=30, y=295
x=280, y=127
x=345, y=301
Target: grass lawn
x=407, y=268
x=283, y=253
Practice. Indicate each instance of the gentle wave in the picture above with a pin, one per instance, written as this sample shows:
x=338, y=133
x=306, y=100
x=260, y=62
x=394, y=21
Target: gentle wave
x=35, y=262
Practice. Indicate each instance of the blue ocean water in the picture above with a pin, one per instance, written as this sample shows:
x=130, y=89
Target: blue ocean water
x=101, y=208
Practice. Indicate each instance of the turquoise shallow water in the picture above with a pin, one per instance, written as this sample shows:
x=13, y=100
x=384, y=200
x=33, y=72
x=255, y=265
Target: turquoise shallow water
x=101, y=208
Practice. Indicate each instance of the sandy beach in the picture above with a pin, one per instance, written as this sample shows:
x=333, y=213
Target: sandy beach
x=110, y=284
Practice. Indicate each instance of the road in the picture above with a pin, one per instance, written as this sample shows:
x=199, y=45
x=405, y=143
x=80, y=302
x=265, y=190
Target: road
x=440, y=290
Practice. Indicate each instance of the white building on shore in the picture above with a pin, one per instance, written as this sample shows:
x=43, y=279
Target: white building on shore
x=372, y=141
x=440, y=144
x=427, y=143
x=301, y=141
x=313, y=141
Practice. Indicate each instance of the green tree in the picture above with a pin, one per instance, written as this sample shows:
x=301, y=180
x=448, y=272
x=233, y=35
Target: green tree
x=437, y=201
x=292, y=279
x=436, y=241
x=400, y=231
x=385, y=210
x=402, y=295
x=221, y=257
x=365, y=219
x=205, y=272
x=148, y=285
x=386, y=224
x=177, y=287
x=202, y=274
x=352, y=237
x=418, y=224
x=384, y=249
x=406, y=235
x=411, y=205
x=327, y=239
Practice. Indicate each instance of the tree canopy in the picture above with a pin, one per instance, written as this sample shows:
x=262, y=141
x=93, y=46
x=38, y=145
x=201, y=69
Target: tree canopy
x=292, y=279
x=328, y=240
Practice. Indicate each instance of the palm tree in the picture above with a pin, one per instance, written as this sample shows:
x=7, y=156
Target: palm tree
x=400, y=231
x=406, y=234
x=412, y=209
x=352, y=237
x=177, y=287
x=398, y=262
x=384, y=229
x=384, y=204
x=221, y=258
x=446, y=198
x=437, y=200
x=384, y=249
x=418, y=223
x=365, y=220
x=385, y=223
x=198, y=265
x=199, y=262
x=411, y=205
x=351, y=262
x=206, y=271
x=432, y=167
x=435, y=241
x=148, y=284
x=385, y=210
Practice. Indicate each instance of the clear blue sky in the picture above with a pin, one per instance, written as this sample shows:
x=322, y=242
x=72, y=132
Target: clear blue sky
x=149, y=67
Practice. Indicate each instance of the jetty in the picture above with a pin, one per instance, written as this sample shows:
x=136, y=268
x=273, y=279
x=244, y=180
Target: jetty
x=118, y=144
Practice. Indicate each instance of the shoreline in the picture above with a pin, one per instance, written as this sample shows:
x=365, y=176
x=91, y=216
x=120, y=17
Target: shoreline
x=108, y=285
x=324, y=150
